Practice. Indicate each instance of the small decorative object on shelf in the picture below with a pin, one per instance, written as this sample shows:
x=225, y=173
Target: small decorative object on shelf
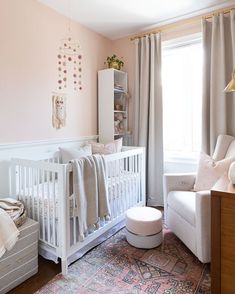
x=118, y=107
x=118, y=88
x=114, y=62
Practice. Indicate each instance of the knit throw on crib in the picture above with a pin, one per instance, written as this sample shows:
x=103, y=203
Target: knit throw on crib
x=90, y=192
x=115, y=267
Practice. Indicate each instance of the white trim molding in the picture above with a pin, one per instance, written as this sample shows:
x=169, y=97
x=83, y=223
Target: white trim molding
x=37, y=143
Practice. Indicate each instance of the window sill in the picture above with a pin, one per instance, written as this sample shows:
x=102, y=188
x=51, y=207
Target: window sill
x=193, y=159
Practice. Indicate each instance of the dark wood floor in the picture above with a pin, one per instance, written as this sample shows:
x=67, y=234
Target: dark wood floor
x=47, y=270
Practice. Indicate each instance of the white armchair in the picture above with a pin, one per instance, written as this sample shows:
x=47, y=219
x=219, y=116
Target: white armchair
x=188, y=213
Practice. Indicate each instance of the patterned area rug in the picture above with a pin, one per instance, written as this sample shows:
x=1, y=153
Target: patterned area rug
x=116, y=267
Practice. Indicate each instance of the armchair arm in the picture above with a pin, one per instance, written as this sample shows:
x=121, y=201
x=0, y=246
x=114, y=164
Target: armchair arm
x=203, y=225
x=177, y=182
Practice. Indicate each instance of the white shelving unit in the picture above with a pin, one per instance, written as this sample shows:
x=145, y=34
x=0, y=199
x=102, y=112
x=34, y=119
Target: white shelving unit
x=113, y=106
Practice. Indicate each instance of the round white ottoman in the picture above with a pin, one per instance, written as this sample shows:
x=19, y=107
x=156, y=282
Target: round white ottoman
x=144, y=227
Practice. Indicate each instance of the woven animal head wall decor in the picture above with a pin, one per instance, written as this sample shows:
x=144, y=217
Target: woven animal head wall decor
x=58, y=110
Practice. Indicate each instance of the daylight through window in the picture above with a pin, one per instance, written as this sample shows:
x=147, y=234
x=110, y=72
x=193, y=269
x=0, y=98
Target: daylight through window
x=182, y=92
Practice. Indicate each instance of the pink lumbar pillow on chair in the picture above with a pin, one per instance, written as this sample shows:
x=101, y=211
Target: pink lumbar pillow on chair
x=209, y=171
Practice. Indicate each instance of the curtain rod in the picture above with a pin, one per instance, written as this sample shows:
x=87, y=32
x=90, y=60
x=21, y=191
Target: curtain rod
x=177, y=24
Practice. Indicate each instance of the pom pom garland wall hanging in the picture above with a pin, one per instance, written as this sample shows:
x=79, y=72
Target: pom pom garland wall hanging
x=69, y=64
x=69, y=60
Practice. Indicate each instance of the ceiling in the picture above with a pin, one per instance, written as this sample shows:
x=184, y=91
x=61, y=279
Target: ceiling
x=119, y=18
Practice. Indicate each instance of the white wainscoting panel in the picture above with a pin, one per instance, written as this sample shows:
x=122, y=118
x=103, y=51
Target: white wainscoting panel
x=32, y=150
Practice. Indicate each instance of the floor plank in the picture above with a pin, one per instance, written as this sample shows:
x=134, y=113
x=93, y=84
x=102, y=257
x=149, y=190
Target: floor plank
x=47, y=270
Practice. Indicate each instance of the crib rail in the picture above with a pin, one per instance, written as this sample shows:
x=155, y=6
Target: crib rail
x=39, y=184
x=45, y=188
x=125, y=180
x=125, y=183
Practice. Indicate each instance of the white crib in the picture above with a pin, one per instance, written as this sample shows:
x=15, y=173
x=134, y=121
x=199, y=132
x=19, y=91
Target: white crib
x=45, y=187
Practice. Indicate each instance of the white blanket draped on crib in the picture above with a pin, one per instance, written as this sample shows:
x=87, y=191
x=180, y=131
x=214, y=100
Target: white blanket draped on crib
x=8, y=232
x=90, y=191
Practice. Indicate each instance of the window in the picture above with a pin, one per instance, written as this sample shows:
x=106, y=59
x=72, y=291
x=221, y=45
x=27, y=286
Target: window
x=182, y=93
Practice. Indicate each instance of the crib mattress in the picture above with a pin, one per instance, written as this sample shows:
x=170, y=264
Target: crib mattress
x=21, y=262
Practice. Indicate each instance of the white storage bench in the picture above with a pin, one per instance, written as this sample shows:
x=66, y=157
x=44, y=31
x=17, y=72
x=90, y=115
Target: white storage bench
x=20, y=263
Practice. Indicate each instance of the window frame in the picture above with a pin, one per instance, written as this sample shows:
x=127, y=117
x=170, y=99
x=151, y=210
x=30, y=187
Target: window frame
x=170, y=156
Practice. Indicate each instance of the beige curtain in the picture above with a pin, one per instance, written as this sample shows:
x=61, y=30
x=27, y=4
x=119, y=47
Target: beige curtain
x=148, y=112
x=218, y=116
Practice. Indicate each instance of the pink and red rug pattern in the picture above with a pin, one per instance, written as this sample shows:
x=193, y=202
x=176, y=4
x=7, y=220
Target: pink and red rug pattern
x=116, y=267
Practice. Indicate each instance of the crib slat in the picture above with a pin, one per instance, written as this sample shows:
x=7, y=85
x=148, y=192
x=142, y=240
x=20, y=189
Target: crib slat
x=37, y=195
x=42, y=203
x=115, y=190
x=142, y=166
x=48, y=206
x=19, y=182
x=132, y=182
x=27, y=176
x=23, y=183
x=126, y=182
x=53, y=209
x=110, y=188
x=138, y=179
x=119, y=187
x=33, y=193
x=74, y=223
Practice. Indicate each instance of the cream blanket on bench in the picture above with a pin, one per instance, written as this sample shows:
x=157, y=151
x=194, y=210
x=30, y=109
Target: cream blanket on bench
x=15, y=210
x=8, y=232
x=90, y=192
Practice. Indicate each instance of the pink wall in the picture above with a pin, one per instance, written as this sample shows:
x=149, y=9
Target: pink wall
x=30, y=36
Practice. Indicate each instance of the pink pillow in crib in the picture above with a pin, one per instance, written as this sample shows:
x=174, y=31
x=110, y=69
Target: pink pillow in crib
x=109, y=148
x=68, y=154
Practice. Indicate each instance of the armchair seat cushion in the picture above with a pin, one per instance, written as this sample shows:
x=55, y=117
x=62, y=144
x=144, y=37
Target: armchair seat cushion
x=184, y=204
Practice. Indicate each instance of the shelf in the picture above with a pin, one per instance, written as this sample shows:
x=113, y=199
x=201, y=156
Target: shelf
x=127, y=133
x=113, y=105
x=119, y=91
